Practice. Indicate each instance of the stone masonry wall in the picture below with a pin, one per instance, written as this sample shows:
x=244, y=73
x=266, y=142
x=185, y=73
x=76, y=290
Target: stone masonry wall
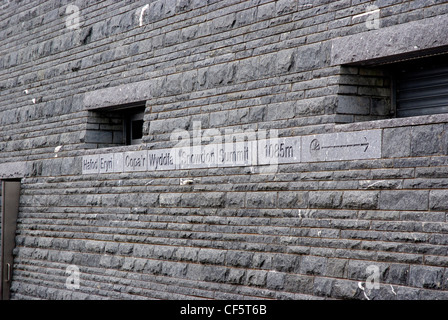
x=309, y=230
x=1, y=186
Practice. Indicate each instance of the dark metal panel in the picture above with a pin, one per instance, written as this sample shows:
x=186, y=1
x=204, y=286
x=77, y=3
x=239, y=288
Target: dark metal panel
x=10, y=209
x=422, y=91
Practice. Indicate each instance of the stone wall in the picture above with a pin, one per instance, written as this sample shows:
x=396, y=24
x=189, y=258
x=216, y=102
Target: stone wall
x=1, y=186
x=316, y=227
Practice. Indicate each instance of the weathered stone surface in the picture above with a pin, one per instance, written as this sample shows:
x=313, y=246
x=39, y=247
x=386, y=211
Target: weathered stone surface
x=360, y=200
x=427, y=140
x=123, y=94
x=140, y=225
x=323, y=286
x=325, y=199
x=438, y=200
x=397, y=142
x=275, y=280
x=313, y=265
x=404, y=200
x=13, y=170
x=377, y=44
x=426, y=277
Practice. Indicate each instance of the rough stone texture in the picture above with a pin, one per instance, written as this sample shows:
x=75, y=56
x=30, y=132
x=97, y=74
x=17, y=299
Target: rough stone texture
x=390, y=41
x=297, y=230
x=1, y=193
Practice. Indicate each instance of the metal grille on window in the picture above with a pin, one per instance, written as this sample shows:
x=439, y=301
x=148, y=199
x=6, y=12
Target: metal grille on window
x=422, y=90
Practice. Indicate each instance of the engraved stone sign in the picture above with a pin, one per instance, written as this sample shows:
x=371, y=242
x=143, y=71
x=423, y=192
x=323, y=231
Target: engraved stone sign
x=237, y=154
x=106, y=163
x=197, y=157
x=90, y=164
x=162, y=159
x=135, y=161
x=118, y=162
x=267, y=153
x=342, y=146
x=279, y=150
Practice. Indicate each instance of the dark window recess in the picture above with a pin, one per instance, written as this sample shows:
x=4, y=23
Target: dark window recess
x=116, y=126
x=422, y=87
x=134, y=126
x=137, y=129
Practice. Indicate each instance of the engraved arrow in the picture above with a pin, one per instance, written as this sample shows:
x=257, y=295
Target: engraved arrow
x=365, y=144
